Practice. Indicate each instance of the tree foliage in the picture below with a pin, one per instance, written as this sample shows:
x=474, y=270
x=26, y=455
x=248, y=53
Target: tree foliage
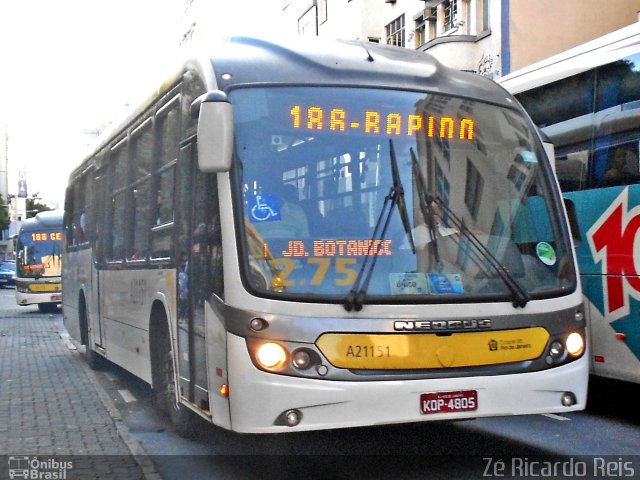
x=34, y=206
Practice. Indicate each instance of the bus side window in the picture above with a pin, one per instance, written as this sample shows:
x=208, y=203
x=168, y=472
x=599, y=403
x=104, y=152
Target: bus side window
x=616, y=166
x=622, y=167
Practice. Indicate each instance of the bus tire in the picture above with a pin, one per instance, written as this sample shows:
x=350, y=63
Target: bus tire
x=48, y=307
x=94, y=360
x=183, y=421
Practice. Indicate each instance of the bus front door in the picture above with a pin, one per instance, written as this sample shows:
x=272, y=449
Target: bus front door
x=193, y=255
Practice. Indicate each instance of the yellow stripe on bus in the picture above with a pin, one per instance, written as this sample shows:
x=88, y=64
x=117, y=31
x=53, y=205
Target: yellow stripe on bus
x=428, y=350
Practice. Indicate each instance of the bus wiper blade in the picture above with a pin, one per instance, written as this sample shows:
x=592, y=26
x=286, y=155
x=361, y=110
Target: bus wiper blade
x=395, y=197
x=399, y=196
x=520, y=296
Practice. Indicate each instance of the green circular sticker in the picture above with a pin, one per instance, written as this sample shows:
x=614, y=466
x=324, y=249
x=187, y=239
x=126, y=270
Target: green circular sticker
x=546, y=253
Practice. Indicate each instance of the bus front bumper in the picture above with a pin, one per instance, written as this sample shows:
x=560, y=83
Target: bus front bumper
x=260, y=401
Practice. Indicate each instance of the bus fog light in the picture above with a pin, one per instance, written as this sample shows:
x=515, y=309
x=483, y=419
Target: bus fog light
x=556, y=349
x=568, y=399
x=575, y=344
x=301, y=359
x=293, y=417
x=271, y=355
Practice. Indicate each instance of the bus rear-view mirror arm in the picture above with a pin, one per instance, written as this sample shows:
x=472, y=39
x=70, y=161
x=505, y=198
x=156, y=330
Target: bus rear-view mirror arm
x=215, y=131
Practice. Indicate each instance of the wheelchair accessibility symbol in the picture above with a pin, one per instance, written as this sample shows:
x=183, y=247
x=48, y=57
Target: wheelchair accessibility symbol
x=264, y=208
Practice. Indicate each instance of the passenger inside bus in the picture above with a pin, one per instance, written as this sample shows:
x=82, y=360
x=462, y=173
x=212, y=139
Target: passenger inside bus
x=622, y=167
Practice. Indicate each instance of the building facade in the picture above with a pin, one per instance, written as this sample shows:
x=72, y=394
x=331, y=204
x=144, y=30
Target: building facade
x=490, y=37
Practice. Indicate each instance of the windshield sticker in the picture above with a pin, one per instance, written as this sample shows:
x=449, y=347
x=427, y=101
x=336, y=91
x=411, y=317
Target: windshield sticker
x=264, y=208
x=546, y=253
x=408, y=283
x=446, y=283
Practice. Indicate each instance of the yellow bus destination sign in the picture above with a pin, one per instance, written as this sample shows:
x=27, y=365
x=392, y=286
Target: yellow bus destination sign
x=424, y=351
x=46, y=236
x=374, y=122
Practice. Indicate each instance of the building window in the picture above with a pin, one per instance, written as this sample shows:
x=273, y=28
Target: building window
x=420, y=31
x=322, y=11
x=473, y=189
x=450, y=8
x=485, y=15
x=425, y=25
x=395, y=32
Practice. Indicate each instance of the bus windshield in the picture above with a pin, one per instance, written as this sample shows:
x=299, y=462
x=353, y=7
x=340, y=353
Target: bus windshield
x=402, y=196
x=39, y=253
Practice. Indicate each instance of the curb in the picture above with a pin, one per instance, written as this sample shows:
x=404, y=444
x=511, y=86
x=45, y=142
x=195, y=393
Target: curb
x=138, y=452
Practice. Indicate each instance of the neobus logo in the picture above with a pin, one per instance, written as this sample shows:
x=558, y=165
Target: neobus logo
x=611, y=239
x=431, y=325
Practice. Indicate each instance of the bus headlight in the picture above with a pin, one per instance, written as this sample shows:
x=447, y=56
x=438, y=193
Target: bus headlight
x=575, y=344
x=301, y=359
x=271, y=355
x=556, y=350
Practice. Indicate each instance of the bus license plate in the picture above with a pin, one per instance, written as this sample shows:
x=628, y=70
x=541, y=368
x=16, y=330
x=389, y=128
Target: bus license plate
x=449, y=402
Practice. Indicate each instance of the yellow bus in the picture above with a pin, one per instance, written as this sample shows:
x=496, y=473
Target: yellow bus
x=39, y=262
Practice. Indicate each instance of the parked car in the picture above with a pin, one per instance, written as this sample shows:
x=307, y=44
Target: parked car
x=7, y=273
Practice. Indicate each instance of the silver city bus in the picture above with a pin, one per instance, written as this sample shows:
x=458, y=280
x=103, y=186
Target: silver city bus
x=318, y=235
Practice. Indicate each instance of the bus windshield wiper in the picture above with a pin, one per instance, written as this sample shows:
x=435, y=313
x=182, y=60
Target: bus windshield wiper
x=520, y=296
x=395, y=197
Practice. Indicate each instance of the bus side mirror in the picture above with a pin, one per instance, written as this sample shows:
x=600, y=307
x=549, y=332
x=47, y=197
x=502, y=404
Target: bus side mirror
x=215, y=131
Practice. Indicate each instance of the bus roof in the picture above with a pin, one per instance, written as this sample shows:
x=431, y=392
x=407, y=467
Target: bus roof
x=602, y=50
x=48, y=219
x=252, y=61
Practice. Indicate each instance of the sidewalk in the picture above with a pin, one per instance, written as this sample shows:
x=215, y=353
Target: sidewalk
x=51, y=407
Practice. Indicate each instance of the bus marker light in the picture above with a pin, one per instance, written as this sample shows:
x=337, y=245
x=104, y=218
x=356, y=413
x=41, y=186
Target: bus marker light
x=579, y=316
x=621, y=336
x=258, y=324
x=224, y=390
x=271, y=355
x=598, y=358
x=575, y=344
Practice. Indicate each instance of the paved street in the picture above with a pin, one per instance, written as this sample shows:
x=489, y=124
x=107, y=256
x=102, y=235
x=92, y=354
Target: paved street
x=49, y=404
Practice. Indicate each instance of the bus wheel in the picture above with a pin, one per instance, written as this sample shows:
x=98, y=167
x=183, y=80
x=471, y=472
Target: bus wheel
x=94, y=360
x=184, y=421
x=48, y=307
